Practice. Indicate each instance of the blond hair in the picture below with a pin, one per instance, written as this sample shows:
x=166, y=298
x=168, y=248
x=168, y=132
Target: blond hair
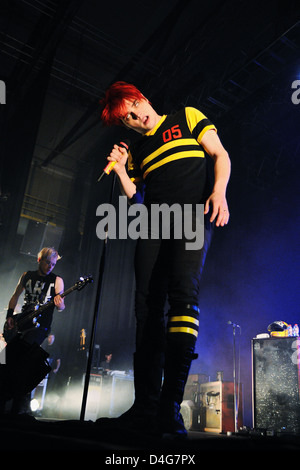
x=48, y=252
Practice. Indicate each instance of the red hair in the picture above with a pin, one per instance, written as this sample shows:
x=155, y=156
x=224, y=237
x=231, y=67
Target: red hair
x=113, y=106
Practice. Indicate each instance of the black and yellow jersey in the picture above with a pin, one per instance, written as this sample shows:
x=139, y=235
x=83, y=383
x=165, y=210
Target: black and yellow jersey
x=170, y=160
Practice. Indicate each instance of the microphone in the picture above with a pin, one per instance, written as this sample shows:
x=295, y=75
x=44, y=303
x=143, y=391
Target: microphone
x=125, y=144
x=233, y=324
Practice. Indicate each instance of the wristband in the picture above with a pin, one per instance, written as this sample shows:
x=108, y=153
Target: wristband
x=10, y=312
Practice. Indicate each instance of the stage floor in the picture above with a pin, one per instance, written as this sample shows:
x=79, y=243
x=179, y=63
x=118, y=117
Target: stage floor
x=26, y=433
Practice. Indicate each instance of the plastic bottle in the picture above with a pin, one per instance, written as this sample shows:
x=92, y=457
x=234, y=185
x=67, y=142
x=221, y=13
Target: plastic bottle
x=290, y=330
x=296, y=330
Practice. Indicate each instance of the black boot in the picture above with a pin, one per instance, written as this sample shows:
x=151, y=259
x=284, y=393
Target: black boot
x=181, y=340
x=21, y=404
x=177, y=369
x=143, y=415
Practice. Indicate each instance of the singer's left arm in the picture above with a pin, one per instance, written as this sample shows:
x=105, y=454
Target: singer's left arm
x=222, y=168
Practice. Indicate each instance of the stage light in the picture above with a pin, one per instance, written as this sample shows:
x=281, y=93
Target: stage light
x=34, y=405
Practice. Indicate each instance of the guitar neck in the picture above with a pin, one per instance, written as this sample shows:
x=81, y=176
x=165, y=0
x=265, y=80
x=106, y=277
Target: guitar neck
x=51, y=302
x=68, y=291
x=37, y=312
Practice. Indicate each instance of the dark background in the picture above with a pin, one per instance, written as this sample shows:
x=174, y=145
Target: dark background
x=235, y=61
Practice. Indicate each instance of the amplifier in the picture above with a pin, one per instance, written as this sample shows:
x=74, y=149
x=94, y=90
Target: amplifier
x=217, y=410
x=95, y=397
x=275, y=384
x=109, y=395
x=122, y=394
x=192, y=388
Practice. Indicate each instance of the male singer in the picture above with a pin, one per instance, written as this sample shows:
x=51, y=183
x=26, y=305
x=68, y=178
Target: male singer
x=166, y=165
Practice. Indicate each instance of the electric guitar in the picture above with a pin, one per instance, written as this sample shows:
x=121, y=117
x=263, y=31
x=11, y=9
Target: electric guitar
x=31, y=313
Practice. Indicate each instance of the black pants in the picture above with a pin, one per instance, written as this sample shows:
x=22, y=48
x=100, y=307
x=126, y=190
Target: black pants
x=21, y=401
x=165, y=270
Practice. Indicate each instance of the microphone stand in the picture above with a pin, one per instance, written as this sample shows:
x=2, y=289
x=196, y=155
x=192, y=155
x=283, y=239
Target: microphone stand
x=234, y=381
x=235, y=400
x=96, y=313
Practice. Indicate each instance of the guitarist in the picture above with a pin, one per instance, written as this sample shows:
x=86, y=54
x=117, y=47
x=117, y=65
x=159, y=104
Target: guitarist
x=40, y=286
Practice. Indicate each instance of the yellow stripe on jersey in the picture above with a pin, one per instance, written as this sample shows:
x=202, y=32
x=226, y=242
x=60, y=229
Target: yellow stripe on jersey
x=207, y=128
x=166, y=147
x=152, y=131
x=194, y=117
x=177, y=156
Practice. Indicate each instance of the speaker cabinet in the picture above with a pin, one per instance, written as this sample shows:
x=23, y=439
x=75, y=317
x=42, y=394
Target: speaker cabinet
x=275, y=383
x=218, y=407
x=109, y=395
x=122, y=394
x=37, y=235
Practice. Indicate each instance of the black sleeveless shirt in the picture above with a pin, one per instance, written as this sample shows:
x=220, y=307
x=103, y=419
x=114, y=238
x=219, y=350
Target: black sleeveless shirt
x=40, y=289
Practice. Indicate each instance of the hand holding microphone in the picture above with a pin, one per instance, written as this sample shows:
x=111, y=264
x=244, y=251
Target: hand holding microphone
x=123, y=144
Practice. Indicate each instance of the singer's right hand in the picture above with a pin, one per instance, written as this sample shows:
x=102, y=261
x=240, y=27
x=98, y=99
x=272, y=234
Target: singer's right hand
x=120, y=156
